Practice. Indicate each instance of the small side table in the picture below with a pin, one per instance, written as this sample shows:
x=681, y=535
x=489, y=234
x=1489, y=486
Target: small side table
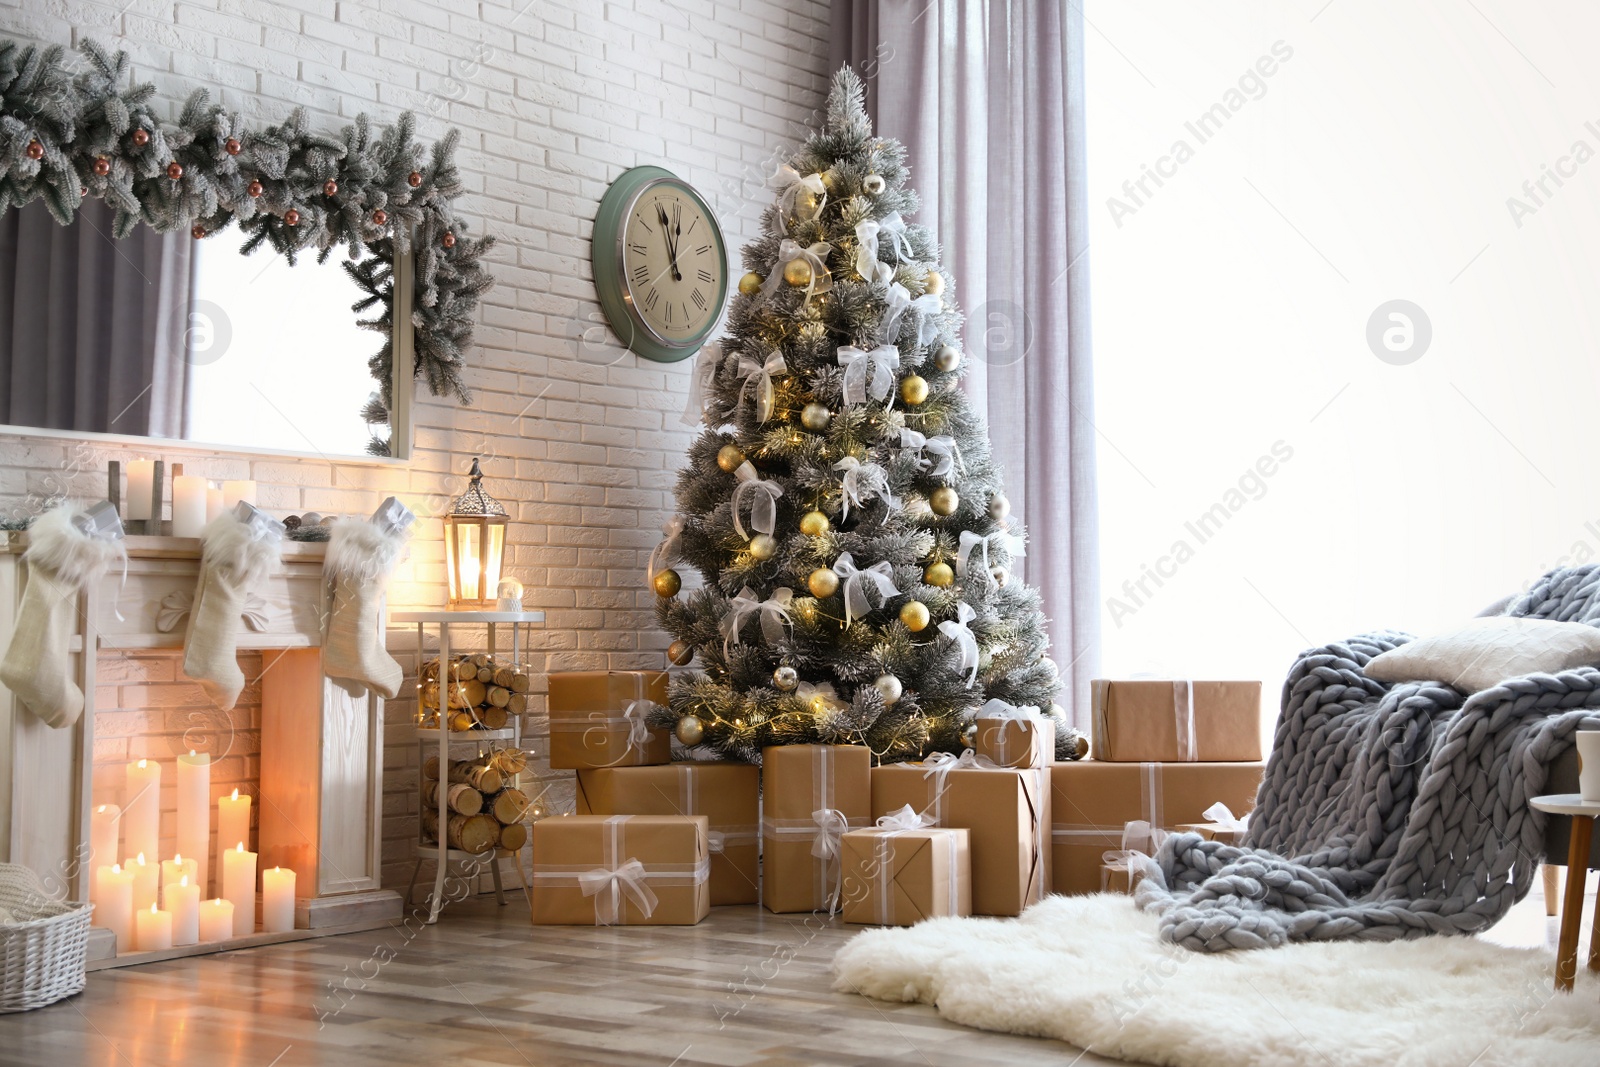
x=1583, y=814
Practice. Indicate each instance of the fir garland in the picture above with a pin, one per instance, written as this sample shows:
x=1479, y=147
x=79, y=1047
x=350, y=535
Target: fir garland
x=66, y=136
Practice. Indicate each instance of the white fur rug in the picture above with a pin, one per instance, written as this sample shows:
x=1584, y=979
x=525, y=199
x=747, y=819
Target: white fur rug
x=1089, y=971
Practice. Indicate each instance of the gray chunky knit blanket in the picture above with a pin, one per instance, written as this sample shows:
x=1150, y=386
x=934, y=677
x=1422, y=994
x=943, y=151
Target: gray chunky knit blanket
x=1387, y=811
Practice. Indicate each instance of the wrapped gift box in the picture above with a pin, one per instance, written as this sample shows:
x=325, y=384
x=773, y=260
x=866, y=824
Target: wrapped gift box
x=1116, y=878
x=812, y=795
x=1092, y=801
x=727, y=794
x=898, y=877
x=597, y=719
x=1212, y=831
x=631, y=870
x=1006, y=811
x=1011, y=738
x=1166, y=721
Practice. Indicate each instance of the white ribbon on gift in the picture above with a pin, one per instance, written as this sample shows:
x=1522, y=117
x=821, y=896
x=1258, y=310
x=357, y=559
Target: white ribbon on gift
x=700, y=383
x=831, y=825
x=958, y=631
x=945, y=457
x=638, y=730
x=927, y=305
x=1183, y=718
x=893, y=225
x=791, y=184
x=816, y=256
x=995, y=708
x=718, y=839
x=1140, y=841
x=763, y=504
x=1223, y=816
x=867, y=263
x=664, y=553
x=760, y=375
x=938, y=767
x=773, y=612
x=969, y=541
x=868, y=374
x=608, y=885
x=889, y=827
x=880, y=574
x=861, y=483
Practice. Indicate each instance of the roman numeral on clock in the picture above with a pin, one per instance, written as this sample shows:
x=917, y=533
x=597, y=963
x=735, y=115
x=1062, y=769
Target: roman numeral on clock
x=704, y=276
x=650, y=299
x=641, y=274
x=702, y=250
x=636, y=248
x=699, y=300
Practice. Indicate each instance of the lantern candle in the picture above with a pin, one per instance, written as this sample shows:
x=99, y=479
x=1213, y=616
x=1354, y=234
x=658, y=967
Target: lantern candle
x=141, y=812
x=216, y=920
x=104, y=824
x=146, y=879
x=277, y=900
x=152, y=930
x=141, y=482
x=236, y=490
x=194, y=811
x=113, y=909
x=233, y=823
x=176, y=868
x=188, y=505
x=183, y=903
x=239, y=887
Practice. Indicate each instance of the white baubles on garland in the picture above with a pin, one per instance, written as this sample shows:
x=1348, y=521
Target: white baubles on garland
x=238, y=549
x=355, y=573
x=66, y=552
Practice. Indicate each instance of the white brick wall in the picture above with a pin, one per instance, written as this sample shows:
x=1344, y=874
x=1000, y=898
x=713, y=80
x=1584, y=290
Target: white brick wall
x=554, y=99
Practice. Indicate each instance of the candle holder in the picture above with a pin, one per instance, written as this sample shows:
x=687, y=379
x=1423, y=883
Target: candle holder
x=152, y=525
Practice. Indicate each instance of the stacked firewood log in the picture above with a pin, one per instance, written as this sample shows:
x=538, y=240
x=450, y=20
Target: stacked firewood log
x=480, y=694
x=485, y=808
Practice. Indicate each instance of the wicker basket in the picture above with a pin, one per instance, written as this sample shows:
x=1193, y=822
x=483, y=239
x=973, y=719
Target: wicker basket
x=44, y=949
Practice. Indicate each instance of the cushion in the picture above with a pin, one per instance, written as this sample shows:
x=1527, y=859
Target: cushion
x=1485, y=652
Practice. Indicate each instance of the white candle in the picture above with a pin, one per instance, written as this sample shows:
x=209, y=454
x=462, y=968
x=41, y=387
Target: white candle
x=141, y=809
x=277, y=900
x=233, y=824
x=214, y=504
x=177, y=868
x=146, y=880
x=188, y=505
x=194, y=811
x=216, y=920
x=113, y=908
x=239, y=887
x=104, y=826
x=152, y=930
x=183, y=901
x=141, y=479
x=236, y=490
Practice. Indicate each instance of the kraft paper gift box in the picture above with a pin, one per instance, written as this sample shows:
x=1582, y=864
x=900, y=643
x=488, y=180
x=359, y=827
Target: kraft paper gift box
x=597, y=719
x=1167, y=721
x=629, y=870
x=1006, y=811
x=811, y=795
x=727, y=794
x=1092, y=801
x=1220, y=825
x=1014, y=737
x=901, y=872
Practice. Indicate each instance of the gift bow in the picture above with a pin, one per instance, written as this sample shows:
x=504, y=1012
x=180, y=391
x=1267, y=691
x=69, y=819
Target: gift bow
x=895, y=227
x=1140, y=841
x=1223, y=816
x=879, y=574
x=663, y=553
x=760, y=375
x=810, y=693
x=700, y=383
x=763, y=506
x=942, y=448
x=831, y=825
x=816, y=256
x=900, y=301
x=958, y=631
x=774, y=614
x=610, y=885
x=862, y=482
x=638, y=730
x=867, y=263
x=938, y=767
x=995, y=708
x=789, y=180
x=906, y=819
x=969, y=541
x=868, y=374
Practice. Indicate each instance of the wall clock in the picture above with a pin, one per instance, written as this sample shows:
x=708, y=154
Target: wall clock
x=660, y=264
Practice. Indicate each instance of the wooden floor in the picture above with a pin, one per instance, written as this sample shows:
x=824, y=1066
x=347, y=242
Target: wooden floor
x=485, y=988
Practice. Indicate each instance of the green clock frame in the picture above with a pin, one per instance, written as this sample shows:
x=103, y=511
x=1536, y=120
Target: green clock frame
x=606, y=254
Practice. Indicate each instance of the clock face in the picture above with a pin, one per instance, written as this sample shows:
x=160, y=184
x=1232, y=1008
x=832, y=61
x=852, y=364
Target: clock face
x=674, y=270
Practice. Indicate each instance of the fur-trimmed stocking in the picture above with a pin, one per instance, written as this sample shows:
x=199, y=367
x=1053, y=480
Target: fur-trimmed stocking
x=355, y=573
x=66, y=552
x=238, y=549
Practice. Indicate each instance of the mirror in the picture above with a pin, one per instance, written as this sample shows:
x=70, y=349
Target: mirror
x=163, y=336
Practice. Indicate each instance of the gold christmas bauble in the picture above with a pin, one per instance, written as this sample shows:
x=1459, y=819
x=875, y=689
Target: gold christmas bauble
x=822, y=583
x=939, y=574
x=797, y=272
x=751, y=283
x=763, y=546
x=690, y=730
x=805, y=204
x=914, y=389
x=1080, y=747
x=679, y=653
x=786, y=678
x=666, y=583
x=944, y=500
x=729, y=457
x=1056, y=711
x=999, y=507
x=873, y=184
x=933, y=283
x=814, y=524
x=890, y=688
x=914, y=616
x=830, y=180
x=815, y=416
x=969, y=734
x=948, y=358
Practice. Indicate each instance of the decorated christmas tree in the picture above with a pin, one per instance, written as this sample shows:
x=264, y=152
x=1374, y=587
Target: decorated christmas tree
x=840, y=502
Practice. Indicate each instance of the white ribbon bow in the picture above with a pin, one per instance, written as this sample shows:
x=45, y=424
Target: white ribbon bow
x=862, y=482
x=792, y=185
x=610, y=885
x=816, y=256
x=831, y=825
x=638, y=729
x=995, y=708
x=1223, y=816
x=663, y=553
x=895, y=227
x=868, y=374
x=907, y=818
x=927, y=305
x=957, y=630
x=760, y=374
x=946, y=457
x=811, y=693
x=879, y=574
x=773, y=612
x=700, y=383
x=867, y=263
x=1140, y=841
x=970, y=541
x=764, y=502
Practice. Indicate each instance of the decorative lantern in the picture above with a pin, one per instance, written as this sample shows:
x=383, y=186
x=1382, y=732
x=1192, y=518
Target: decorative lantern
x=474, y=547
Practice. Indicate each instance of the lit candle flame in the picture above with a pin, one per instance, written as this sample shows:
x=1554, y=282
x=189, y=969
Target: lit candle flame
x=140, y=859
x=184, y=881
x=143, y=764
x=116, y=868
x=237, y=848
x=236, y=794
x=152, y=909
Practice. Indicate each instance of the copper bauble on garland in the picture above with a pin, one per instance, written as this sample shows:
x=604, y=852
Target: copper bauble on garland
x=448, y=240
x=232, y=146
x=254, y=189
x=174, y=171
x=380, y=217
x=666, y=583
x=330, y=187
x=413, y=179
x=729, y=457
x=914, y=616
x=291, y=217
x=102, y=166
x=35, y=150
x=679, y=653
x=823, y=583
x=141, y=137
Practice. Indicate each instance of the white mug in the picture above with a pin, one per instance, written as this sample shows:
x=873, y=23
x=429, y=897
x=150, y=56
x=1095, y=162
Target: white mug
x=1589, y=764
